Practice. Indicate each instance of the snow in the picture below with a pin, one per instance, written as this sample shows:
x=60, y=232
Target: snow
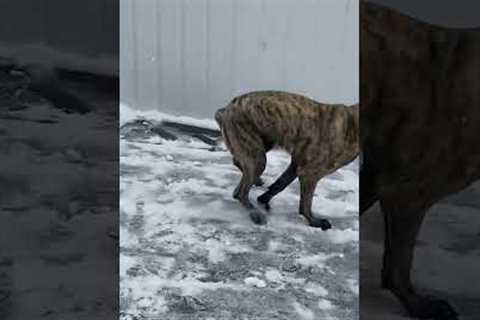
x=255, y=282
x=304, y=312
x=316, y=289
x=128, y=114
x=325, y=304
x=187, y=244
x=317, y=259
x=273, y=276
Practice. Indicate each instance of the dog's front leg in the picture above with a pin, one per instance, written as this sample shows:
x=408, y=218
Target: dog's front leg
x=403, y=219
x=308, y=183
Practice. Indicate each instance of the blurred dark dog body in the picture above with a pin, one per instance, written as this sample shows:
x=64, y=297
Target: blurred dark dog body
x=320, y=138
x=420, y=95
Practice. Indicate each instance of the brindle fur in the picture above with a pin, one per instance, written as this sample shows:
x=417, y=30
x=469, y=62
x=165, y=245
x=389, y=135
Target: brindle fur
x=320, y=138
x=420, y=119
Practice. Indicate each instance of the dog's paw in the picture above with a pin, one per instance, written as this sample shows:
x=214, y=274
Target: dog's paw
x=323, y=224
x=264, y=200
x=236, y=193
x=258, y=217
x=431, y=308
x=259, y=182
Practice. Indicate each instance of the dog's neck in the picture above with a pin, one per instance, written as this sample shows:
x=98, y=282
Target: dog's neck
x=354, y=113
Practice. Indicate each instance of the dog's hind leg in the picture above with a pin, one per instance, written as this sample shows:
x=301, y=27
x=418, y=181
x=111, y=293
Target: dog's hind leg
x=252, y=167
x=248, y=153
x=258, y=180
x=279, y=185
x=403, y=218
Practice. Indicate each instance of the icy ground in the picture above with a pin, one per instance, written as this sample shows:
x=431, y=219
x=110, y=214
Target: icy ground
x=189, y=251
x=446, y=258
x=58, y=204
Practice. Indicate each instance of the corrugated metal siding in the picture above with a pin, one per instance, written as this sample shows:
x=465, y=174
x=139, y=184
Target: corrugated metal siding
x=192, y=56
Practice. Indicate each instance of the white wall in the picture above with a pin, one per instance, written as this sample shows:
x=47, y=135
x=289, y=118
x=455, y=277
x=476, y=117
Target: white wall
x=192, y=56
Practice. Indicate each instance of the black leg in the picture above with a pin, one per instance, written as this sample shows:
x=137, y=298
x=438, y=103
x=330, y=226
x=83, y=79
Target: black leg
x=279, y=185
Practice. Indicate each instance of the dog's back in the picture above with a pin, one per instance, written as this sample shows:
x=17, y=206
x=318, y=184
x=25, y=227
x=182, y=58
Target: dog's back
x=290, y=121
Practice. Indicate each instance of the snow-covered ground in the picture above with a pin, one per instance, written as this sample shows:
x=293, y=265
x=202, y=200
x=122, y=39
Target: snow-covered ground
x=446, y=258
x=58, y=205
x=189, y=251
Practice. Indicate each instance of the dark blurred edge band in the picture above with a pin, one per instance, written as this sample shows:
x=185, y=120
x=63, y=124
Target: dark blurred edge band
x=413, y=52
x=65, y=40
x=74, y=35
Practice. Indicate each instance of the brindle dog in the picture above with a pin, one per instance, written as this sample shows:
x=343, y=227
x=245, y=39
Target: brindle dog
x=320, y=138
x=420, y=96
